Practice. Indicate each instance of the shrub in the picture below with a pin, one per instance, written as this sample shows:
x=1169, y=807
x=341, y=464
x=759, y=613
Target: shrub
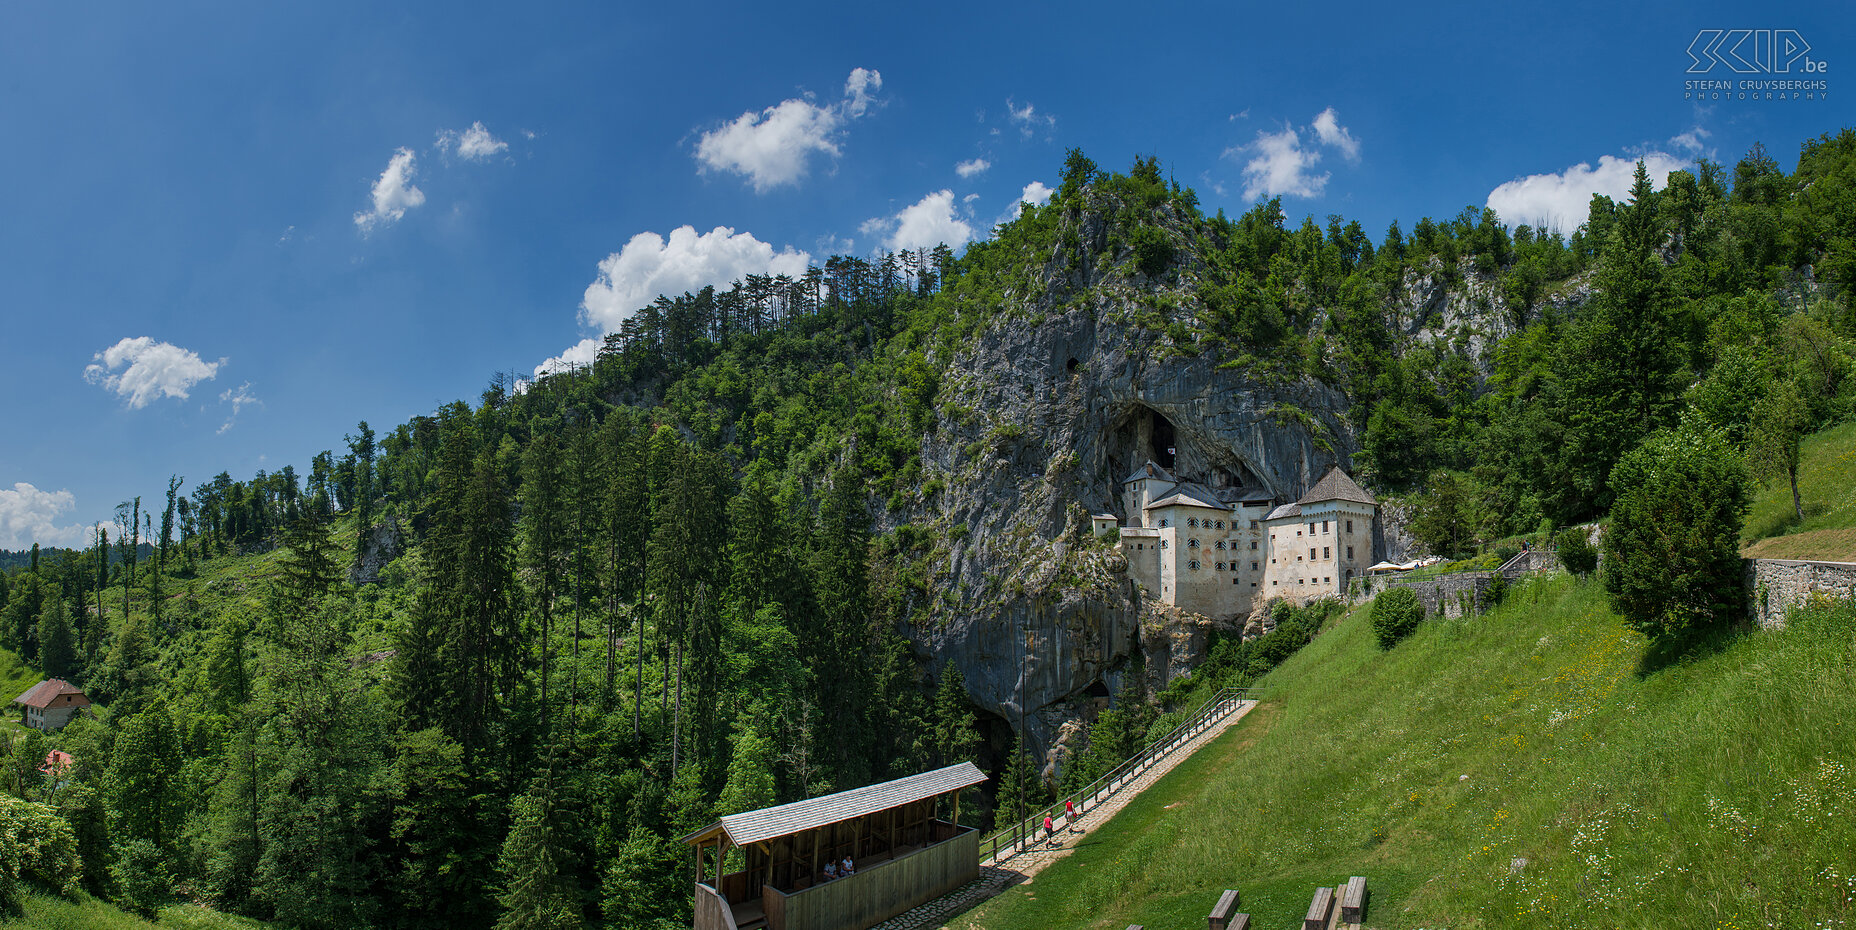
x=44, y=846
x=1396, y=613
x=1672, y=553
x=1577, y=552
x=1153, y=251
x=141, y=877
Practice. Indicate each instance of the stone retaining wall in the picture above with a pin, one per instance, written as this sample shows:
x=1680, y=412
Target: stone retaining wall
x=1775, y=586
x=1441, y=595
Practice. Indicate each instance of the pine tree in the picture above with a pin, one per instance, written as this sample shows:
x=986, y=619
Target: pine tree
x=57, y=645
x=537, y=867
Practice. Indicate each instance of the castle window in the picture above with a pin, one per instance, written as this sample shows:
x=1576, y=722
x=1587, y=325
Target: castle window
x=1192, y=522
x=1324, y=526
x=1327, y=581
x=1311, y=527
x=1253, y=524
x=1221, y=544
x=1311, y=553
x=1327, y=552
x=1272, y=584
x=1163, y=523
x=1350, y=555
x=1194, y=564
x=1350, y=573
x=1163, y=544
x=1252, y=584
x=1253, y=545
x=1192, y=544
x=1253, y=566
x=1221, y=524
x=1221, y=566
x=1349, y=526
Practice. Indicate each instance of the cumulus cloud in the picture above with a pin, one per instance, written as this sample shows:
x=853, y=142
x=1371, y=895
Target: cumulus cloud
x=1034, y=193
x=774, y=147
x=972, y=167
x=238, y=397
x=473, y=144
x=1278, y=164
x=928, y=222
x=29, y=515
x=1331, y=133
x=394, y=193
x=1562, y=201
x=149, y=370
x=1027, y=118
x=650, y=265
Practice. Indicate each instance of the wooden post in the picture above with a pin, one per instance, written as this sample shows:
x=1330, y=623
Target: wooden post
x=956, y=810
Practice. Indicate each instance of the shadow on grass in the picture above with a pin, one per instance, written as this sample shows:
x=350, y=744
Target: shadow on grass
x=1666, y=652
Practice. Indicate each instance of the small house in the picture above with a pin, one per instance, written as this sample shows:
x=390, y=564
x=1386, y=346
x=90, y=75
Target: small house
x=51, y=704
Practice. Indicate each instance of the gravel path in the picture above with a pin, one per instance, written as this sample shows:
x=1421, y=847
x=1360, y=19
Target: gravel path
x=1021, y=869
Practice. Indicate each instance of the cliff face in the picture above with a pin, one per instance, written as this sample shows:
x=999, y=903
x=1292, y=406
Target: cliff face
x=1041, y=419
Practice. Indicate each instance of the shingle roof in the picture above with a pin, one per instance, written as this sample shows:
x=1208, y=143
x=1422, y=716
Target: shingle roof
x=754, y=826
x=44, y=693
x=1286, y=510
x=1190, y=495
x=1336, y=486
x=1149, y=470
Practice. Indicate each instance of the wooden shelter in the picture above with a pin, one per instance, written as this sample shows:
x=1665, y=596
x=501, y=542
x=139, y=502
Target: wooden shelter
x=902, y=851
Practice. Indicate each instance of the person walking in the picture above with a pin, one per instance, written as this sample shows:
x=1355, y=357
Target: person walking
x=1050, y=830
x=1069, y=816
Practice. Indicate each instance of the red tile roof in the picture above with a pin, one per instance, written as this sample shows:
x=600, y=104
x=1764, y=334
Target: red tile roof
x=57, y=762
x=54, y=691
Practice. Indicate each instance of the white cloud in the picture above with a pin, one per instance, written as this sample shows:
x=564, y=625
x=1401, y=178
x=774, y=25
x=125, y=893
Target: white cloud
x=150, y=369
x=1279, y=166
x=1034, y=193
x=578, y=355
x=238, y=397
x=1028, y=119
x=929, y=222
x=1562, y=201
x=971, y=167
x=394, y=193
x=473, y=144
x=1331, y=133
x=1693, y=141
x=650, y=265
x=860, y=91
x=772, y=147
x=29, y=515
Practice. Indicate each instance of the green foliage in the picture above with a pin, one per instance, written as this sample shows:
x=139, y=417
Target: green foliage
x=44, y=848
x=1396, y=615
x=537, y=867
x=141, y=877
x=1672, y=560
x=1576, y=551
x=1153, y=251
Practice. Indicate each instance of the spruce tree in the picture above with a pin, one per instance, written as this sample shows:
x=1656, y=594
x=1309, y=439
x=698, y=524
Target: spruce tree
x=537, y=867
x=57, y=644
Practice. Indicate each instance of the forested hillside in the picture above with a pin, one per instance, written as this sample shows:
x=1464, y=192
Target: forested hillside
x=486, y=666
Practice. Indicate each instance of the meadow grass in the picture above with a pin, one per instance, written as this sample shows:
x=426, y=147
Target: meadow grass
x=1707, y=785
x=1827, y=489
x=49, y=912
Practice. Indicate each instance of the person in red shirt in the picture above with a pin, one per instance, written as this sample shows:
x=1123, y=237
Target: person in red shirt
x=1069, y=814
x=1050, y=829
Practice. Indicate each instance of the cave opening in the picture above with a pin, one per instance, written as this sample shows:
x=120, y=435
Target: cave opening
x=1071, y=364
x=1160, y=433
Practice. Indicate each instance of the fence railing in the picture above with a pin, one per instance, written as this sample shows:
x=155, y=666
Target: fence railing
x=1018, y=837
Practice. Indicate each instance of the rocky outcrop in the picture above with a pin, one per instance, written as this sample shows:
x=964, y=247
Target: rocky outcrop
x=383, y=544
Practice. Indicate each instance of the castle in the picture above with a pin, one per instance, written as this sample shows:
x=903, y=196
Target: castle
x=1222, y=552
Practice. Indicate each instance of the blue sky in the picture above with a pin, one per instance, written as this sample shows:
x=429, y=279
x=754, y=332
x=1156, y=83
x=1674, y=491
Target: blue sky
x=229, y=232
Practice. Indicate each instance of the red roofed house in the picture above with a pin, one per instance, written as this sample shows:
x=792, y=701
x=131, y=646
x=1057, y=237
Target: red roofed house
x=51, y=704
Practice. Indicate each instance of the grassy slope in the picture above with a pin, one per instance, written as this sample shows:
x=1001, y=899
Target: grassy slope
x=1827, y=487
x=1713, y=791
x=45, y=912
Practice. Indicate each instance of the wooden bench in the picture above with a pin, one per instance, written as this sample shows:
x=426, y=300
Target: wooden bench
x=1353, y=900
x=1223, y=911
x=1319, y=910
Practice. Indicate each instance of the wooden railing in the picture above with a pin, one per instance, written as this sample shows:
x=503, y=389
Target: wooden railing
x=1019, y=837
